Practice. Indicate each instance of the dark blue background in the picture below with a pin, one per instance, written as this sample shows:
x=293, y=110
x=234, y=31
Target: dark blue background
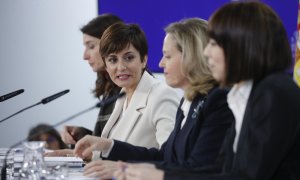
x=154, y=15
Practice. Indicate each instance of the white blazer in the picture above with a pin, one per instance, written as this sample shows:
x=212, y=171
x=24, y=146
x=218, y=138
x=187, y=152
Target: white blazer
x=149, y=117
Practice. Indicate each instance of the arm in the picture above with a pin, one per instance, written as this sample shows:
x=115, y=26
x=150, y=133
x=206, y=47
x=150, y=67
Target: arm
x=125, y=151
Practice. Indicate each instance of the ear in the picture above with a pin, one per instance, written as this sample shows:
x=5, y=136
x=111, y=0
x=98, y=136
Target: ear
x=145, y=61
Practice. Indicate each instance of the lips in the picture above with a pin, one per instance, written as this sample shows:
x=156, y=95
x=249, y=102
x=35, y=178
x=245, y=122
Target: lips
x=123, y=76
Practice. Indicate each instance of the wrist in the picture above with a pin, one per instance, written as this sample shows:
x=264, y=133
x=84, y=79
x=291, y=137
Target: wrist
x=106, y=144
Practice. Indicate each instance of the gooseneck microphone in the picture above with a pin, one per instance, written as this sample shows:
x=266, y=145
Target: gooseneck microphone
x=10, y=95
x=51, y=98
x=43, y=101
x=100, y=104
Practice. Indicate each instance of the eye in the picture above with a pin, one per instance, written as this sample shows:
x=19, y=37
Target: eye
x=111, y=60
x=91, y=46
x=212, y=42
x=167, y=57
x=129, y=57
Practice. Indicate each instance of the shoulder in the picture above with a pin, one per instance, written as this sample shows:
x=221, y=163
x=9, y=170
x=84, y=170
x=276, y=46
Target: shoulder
x=160, y=89
x=276, y=89
x=217, y=94
x=277, y=85
x=216, y=102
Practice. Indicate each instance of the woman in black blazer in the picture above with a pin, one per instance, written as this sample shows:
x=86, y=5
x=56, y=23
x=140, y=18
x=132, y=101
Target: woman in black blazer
x=203, y=116
x=249, y=49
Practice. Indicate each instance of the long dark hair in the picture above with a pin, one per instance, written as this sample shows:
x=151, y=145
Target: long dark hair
x=95, y=28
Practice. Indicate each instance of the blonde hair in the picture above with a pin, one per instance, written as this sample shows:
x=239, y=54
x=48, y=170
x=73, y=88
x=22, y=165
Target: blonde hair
x=191, y=36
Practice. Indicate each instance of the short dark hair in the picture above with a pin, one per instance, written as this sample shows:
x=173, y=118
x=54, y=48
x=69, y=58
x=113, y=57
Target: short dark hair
x=253, y=38
x=119, y=36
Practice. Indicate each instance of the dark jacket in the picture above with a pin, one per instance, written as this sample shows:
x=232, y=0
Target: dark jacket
x=196, y=144
x=269, y=142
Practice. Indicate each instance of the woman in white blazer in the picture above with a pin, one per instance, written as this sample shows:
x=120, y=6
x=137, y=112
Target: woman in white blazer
x=146, y=115
x=147, y=120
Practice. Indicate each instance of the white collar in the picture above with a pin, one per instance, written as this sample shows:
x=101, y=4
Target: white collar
x=237, y=100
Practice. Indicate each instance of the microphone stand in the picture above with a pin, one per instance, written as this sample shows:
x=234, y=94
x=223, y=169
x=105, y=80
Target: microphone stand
x=19, y=112
x=100, y=104
x=43, y=101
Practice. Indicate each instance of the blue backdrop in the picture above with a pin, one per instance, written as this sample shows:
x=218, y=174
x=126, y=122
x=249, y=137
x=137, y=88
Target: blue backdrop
x=154, y=15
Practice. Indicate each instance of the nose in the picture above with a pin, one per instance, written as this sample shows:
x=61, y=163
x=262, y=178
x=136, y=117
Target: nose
x=86, y=56
x=161, y=63
x=121, y=66
x=206, y=51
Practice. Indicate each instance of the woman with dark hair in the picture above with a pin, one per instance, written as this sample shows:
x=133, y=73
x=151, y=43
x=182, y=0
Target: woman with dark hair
x=45, y=132
x=249, y=49
x=105, y=88
x=146, y=115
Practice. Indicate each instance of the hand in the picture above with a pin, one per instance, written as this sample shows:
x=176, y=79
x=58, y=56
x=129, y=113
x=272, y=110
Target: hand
x=71, y=134
x=120, y=174
x=101, y=169
x=142, y=171
x=88, y=144
x=60, y=153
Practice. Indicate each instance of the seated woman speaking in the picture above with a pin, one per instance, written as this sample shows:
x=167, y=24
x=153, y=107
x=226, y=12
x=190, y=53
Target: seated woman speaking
x=146, y=115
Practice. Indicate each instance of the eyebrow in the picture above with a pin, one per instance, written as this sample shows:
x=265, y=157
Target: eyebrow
x=126, y=53
x=89, y=42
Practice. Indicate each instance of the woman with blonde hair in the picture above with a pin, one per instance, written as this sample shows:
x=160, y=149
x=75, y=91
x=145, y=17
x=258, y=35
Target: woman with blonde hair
x=249, y=49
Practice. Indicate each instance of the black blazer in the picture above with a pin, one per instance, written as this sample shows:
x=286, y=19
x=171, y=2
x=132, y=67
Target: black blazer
x=196, y=144
x=269, y=142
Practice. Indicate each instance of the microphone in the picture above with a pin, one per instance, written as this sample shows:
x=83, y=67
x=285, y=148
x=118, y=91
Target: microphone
x=43, y=101
x=51, y=98
x=100, y=104
x=10, y=95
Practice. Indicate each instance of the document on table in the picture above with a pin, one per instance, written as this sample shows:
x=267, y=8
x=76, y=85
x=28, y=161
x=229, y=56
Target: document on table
x=72, y=161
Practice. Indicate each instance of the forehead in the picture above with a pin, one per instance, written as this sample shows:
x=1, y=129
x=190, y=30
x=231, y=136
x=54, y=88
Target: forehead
x=169, y=42
x=87, y=38
x=127, y=49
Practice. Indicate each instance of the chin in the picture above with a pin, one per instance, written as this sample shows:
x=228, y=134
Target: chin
x=95, y=69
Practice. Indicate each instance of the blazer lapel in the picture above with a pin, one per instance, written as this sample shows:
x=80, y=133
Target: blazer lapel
x=244, y=130
x=170, y=143
x=114, y=117
x=194, y=117
x=135, y=108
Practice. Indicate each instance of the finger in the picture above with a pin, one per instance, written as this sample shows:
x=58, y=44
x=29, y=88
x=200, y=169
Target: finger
x=51, y=154
x=87, y=152
x=79, y=146
x=131, y=173
x=119, y=175
x=91, y=164
x=93, y=171
x=67, y=138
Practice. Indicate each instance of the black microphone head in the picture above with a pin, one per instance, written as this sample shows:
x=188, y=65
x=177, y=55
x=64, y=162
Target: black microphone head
x=110, y=100
x=57, y=95
x=10, y=95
